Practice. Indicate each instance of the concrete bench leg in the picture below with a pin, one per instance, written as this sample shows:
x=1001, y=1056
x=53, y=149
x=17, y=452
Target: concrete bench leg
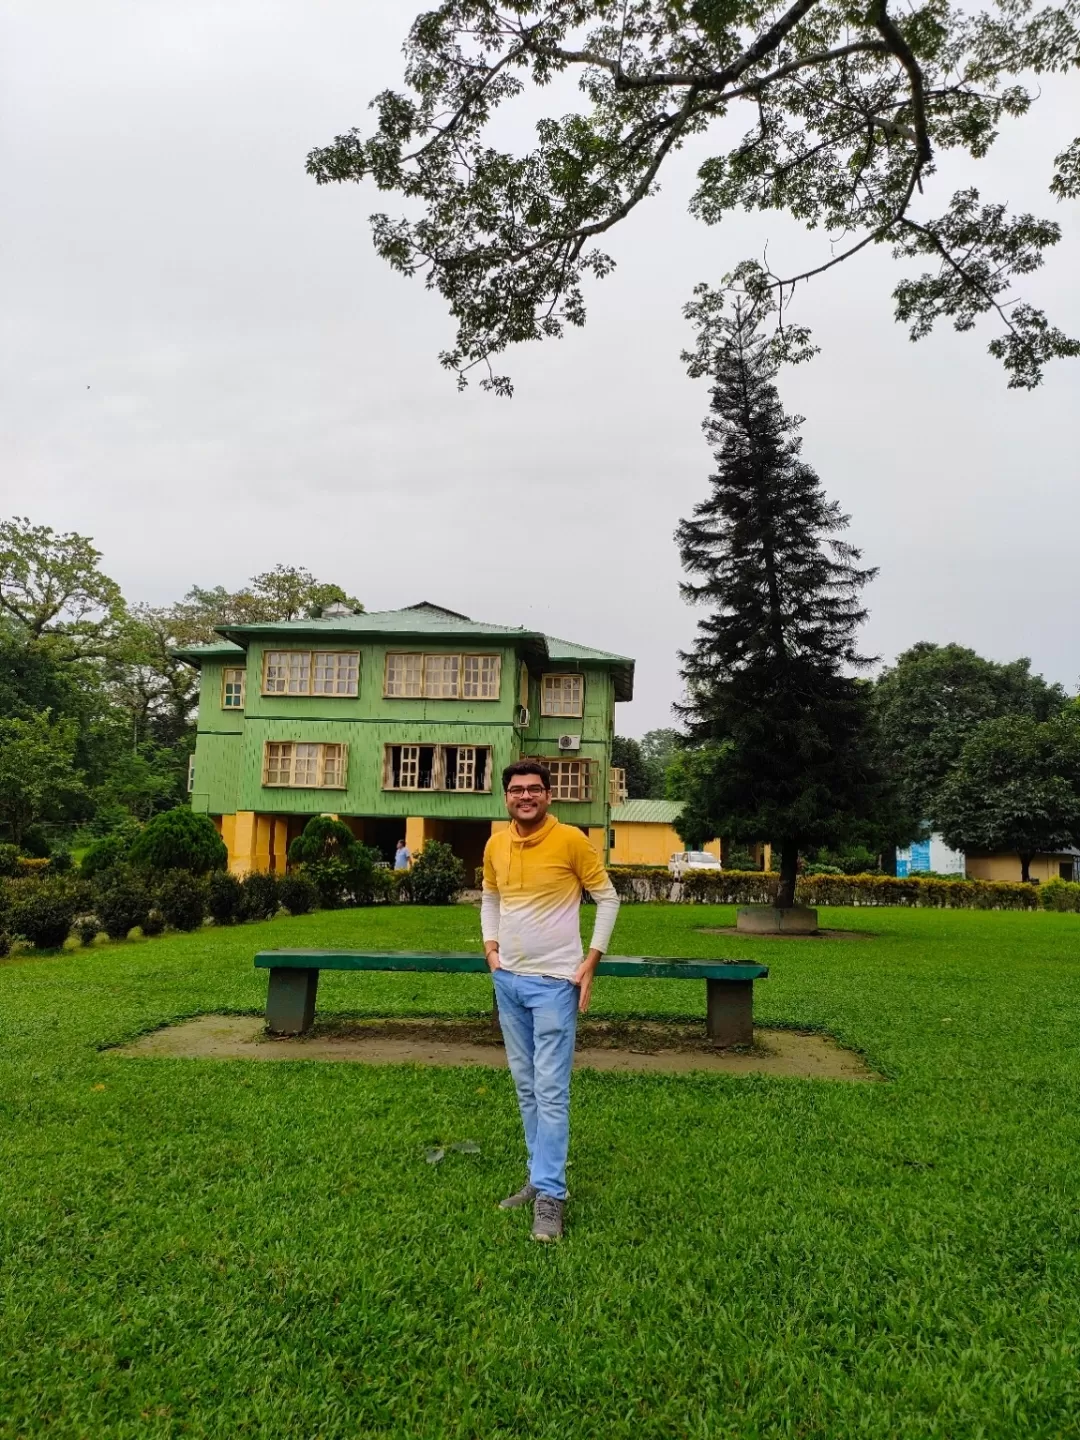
x=729, y=1008
x=290, y=1001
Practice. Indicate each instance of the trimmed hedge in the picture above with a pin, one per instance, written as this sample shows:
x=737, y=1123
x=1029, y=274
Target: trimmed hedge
x=1060, y=895
x=914, y=891
x=755, y=887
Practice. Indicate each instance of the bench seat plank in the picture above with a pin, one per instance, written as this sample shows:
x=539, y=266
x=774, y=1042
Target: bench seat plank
x=462, y=962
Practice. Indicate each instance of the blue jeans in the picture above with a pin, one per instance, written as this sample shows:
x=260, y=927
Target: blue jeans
x=538, y=1016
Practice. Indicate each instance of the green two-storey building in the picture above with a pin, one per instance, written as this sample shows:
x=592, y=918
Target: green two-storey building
x=399, y=722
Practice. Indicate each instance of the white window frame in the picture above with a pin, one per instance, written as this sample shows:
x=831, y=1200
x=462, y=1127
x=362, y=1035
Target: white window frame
x=435, y=675
x=552, y=700
x=340, y=673
x=485, y=681
x=227, y=685
x=409, y=685
x=560, y=770
x=299, y=670
x=409, y=765
x=442, y=677
x=313, y=758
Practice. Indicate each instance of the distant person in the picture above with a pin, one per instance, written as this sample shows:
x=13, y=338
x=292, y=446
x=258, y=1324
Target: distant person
x=402, y=856
x=534, y=873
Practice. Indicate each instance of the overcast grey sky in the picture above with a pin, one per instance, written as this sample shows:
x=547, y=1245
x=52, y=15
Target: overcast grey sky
x=206, y=367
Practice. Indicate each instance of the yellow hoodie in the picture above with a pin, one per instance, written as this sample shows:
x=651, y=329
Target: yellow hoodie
x=532, y=898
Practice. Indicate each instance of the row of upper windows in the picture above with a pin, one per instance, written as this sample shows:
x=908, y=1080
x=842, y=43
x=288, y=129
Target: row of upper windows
x=406, y=676
x=321, y=766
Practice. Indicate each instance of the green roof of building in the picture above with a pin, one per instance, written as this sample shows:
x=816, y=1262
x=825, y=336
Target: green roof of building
x=222, y=650
x=646, y=812
x=419, y=622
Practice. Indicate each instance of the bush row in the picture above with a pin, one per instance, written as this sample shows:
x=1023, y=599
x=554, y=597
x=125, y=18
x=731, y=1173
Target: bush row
x=120, y=897
x=753, y=887
x=1060, y=895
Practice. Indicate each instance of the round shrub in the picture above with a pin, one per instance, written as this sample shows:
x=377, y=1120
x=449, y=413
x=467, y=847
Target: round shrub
x=383, y=888
x=297, y=894
x=104, y=854
x=9, y=860
x=332, y=880
x=122, y=904
x=60, y=864
x=35, y=843
x=260, y=896
x=323, y=838
x=87, y=927
x=181, y=898
x=224, y=898
x=154, y=923
x=43, y=913
x=437, y=875
x=179, y=840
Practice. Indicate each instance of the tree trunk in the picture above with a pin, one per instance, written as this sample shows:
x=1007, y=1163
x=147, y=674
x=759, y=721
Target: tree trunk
x=888, y=861
x=1025, y=869
x=789, y=871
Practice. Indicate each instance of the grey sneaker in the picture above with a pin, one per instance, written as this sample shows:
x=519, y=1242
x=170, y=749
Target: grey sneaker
x=523, y=1197
x=547, y=1218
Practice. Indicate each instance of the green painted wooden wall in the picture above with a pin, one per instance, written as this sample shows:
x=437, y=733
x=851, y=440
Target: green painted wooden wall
x=229, y=748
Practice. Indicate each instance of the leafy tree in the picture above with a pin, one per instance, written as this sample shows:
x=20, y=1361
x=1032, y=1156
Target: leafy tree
x=142, y=782
x=1016, y=788
x=850, y=110
x=626, y=755
x=659, y=749
x=52, y=584
x=782, y=723
x=930, y=702
x=38, y=779
x=287, y=592
x=179, y=840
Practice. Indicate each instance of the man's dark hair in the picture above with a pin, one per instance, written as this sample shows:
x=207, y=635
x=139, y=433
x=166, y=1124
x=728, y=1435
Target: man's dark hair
x=526, y=767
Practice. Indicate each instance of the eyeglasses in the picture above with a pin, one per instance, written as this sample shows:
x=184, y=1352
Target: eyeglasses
x=517, y=791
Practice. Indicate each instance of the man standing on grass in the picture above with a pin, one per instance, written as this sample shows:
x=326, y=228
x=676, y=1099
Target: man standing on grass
x=534, y=873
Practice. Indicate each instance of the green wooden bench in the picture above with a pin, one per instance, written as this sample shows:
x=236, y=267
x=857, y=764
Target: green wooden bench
x=294, y=981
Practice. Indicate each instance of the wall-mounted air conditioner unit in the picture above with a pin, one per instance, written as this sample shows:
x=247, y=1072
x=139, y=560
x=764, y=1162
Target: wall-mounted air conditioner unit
x=569, y=742
x=521, y=717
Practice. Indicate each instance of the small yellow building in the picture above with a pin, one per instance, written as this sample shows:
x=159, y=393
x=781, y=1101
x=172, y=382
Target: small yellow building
x=1060, y=866
x=643, y=833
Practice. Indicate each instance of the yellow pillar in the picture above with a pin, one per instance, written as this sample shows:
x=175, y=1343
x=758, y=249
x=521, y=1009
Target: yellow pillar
x=279, y=845
x=497, y=826
x=242, y=850
x=415, y=834
x=227, y=831
x=768, y=857
x=264, y=826
x=598, y=840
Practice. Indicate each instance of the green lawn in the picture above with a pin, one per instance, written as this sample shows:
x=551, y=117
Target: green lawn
x=238, y=1249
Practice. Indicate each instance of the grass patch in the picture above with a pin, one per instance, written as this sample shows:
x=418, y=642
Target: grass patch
x=241, y=1249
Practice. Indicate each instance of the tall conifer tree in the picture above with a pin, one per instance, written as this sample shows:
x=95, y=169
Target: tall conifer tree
x=772, y=706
